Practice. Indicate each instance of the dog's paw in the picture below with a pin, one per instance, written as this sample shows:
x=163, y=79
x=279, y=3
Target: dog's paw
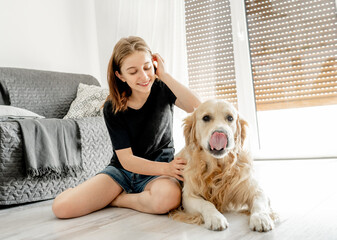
x=261, y=222
x=215, y=221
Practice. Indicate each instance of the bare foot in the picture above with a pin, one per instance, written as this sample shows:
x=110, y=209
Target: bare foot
x=118, y=200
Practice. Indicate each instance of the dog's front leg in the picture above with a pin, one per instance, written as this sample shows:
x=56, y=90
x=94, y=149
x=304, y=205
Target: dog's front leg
x=213, y=219
x=260, y=219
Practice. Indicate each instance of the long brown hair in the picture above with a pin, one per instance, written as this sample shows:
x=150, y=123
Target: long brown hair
x=119, y=91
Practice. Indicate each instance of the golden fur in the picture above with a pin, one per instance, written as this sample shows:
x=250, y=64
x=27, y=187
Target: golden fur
x=225, y=181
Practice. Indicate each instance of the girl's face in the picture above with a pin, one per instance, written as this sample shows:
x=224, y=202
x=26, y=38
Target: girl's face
x=138, y=72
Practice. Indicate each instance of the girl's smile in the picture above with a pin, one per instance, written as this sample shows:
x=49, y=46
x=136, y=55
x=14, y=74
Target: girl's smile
x=138, y=72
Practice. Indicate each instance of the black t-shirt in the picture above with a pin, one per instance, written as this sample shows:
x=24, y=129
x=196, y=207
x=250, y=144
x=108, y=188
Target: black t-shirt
x=148, y=130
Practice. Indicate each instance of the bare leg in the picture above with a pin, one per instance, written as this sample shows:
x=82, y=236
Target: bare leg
x=92, y=195
x=159, y=196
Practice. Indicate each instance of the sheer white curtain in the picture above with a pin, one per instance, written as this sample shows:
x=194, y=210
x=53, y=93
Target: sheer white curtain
x=160, y=23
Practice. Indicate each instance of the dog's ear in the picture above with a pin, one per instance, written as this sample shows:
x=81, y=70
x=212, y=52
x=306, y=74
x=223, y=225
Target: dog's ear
x=241, y=131
x=189, y=130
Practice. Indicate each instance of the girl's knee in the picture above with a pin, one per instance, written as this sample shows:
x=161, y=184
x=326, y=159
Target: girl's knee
x=62, y=207
x=167, y=199
x=59, y=209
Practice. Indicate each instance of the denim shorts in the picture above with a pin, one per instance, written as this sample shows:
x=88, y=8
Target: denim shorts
x=130, y=182
x=133, y=182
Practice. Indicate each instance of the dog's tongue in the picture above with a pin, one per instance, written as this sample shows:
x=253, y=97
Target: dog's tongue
x=218, y=141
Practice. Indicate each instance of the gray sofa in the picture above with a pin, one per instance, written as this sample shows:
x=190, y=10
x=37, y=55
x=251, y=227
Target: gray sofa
x=49, y=94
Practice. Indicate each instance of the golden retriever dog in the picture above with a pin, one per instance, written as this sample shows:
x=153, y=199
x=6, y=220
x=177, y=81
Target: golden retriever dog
x=218, y=174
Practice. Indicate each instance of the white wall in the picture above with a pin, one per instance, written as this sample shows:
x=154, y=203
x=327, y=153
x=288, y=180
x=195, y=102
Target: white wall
x=56, y=35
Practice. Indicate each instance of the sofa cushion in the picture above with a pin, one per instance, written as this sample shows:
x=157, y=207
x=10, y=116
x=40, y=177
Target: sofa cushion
x=88, y=102
x=10, y=112
x=44, y=92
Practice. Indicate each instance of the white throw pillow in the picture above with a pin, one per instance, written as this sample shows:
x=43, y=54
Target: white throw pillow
x=10, y=112
x=88, y=101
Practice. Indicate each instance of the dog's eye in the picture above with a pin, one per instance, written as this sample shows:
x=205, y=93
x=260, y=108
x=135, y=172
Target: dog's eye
x=229, y=118
x=206, y=118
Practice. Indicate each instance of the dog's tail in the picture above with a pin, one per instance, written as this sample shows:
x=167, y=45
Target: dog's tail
x=182, y=216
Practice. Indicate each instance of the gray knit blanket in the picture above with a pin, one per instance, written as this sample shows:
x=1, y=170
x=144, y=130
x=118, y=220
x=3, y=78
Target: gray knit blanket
x=51, y=146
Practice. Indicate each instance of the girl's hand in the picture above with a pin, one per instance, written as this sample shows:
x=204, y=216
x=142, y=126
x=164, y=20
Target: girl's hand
x=158, y=63
x=176, y=168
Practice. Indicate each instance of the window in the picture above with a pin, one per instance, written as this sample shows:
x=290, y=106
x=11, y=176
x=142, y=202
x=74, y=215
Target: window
x=210, y=49
x=290, y=54
x=293, y=47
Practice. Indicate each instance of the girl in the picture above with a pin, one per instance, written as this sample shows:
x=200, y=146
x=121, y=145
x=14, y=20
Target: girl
x=143, y=173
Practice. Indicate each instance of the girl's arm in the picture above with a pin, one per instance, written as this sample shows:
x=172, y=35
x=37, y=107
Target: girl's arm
x=186, y=99
x=143, y=166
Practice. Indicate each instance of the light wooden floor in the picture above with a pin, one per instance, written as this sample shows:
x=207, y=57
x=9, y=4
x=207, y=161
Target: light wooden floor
x=303, y=192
